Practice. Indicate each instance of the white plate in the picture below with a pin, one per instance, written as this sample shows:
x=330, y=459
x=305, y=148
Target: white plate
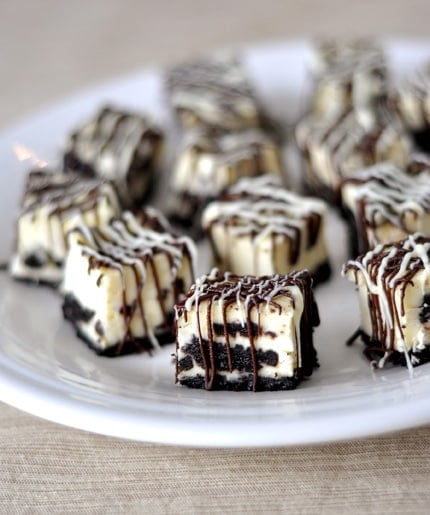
x=47, y=371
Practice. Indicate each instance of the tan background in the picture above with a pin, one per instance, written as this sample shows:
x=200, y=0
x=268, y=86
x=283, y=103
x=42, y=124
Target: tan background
x=50, y=49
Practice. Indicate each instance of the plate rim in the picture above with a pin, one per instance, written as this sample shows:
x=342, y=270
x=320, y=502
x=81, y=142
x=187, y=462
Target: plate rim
x=54, y=405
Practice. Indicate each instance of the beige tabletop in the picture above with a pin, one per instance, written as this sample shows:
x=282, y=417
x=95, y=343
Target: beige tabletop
x=53, y=48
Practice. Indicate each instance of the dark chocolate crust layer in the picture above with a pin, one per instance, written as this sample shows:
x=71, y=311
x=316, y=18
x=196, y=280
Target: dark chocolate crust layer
x=375, y=350
x=36, y=282
x=75, y=313
x=322, y=274
x=247, y=383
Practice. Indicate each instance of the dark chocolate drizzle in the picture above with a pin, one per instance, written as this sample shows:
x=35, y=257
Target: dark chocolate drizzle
x=64, y=193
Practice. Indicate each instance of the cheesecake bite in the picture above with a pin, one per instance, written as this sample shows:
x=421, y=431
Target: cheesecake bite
x=121, y=282
x=246, y=333
x=386, y=203
x=257, y=227
x=344, y=71
x=393, y=285
x=207, y=163
x=52, y=205
x=213, y=92
x=121, y=146
x=337, y=145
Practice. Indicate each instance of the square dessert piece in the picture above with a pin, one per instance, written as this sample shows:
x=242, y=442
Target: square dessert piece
x=213, y=92
x=52, y=205
x=208, y=163
x=121, y=282
x=412, y=100
x=257, y=227
x=393, y=285
x=339, y=144
x=385, y=204
x=344, y=71
x=120, y=146
x=246, y=333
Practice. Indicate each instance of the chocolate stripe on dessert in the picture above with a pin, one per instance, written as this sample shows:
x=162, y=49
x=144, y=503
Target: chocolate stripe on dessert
x=347, y=74
x=66, y=195
x=223, y=159
x=337, y=54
